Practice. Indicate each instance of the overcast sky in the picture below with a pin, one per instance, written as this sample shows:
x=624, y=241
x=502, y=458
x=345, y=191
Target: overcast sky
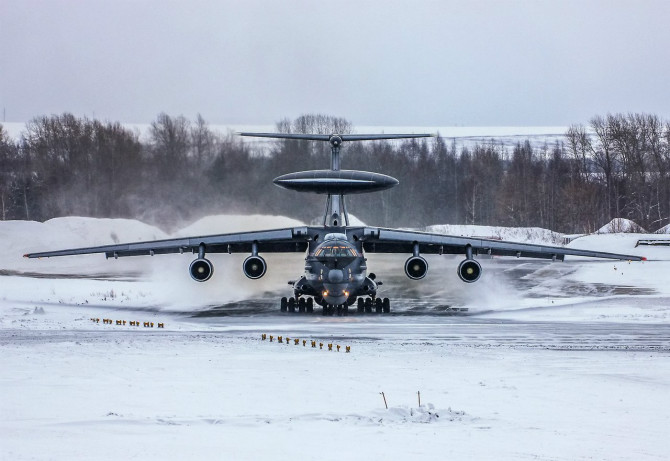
x=430, y=63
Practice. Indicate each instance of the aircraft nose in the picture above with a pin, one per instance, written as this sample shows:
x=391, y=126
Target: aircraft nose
x=335, y=276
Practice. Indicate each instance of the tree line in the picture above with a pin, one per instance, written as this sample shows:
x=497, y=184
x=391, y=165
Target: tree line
x=180, y=170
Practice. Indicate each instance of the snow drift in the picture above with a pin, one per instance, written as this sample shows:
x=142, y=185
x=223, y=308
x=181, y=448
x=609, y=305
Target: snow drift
x=535, y=235
x=619, y=226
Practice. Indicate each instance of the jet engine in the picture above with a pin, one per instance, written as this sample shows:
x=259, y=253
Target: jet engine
x=469, y=270
x=254, y=267
x=416, y=267
x=201, y=270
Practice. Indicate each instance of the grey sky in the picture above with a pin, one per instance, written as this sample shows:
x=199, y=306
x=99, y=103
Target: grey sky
x=375, y=63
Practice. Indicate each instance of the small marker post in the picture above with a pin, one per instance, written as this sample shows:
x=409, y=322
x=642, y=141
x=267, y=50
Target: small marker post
x=418, y=393
x=384, y=397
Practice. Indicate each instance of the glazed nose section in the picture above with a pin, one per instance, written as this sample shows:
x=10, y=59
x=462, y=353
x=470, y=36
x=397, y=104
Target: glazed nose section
x=335, y=276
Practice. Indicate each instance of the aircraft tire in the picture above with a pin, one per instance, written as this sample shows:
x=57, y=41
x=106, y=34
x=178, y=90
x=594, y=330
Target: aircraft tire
x=386, y=304
x=310, y=306
x=283, y=305
x=378, y=306
x=368, y=306
x=291, y=304
x=361, y=306
x=345, y=309
x=301, y=305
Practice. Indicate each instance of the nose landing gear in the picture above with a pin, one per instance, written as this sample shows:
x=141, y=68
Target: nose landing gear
x=341, y=310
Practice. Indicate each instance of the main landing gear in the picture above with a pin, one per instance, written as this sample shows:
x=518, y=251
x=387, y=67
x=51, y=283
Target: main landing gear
x=303, y=305
x=377, y=305
x=365, y=306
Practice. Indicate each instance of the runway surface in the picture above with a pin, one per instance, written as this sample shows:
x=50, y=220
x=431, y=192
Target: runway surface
x=431, y=331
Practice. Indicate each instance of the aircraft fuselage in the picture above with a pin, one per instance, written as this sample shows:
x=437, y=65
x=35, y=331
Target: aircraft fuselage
x=335, y=272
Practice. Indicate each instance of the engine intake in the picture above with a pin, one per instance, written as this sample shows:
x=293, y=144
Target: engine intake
x=416, y=267
x=254, y=267
x=469, y=270
x=201, y=270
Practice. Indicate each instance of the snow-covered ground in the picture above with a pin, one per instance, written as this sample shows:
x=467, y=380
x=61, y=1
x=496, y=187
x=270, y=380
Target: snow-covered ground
x=558, y=361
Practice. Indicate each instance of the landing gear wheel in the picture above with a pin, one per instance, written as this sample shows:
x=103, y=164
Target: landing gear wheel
x=283, y=304
x=368, y=306
x=301, y=305
x=291, y=304
x=386, y=304
x=361, y=305
x=378, y=306
x=310, y=305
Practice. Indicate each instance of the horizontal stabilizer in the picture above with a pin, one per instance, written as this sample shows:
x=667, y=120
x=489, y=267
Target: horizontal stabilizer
x=342, y=137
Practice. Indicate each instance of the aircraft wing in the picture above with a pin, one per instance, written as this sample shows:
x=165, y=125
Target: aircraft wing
x=269, y=241
x=379, y=240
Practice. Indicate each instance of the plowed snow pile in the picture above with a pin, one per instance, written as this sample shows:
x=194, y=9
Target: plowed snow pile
x=535, y=235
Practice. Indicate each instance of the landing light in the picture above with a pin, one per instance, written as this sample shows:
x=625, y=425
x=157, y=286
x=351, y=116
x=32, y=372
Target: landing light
x=346, y=293
x=325, y=293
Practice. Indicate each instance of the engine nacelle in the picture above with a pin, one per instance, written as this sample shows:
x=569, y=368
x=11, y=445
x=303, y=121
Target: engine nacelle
x=469, y=270
x=201, y=270
x=254, y=267
x=416, y=267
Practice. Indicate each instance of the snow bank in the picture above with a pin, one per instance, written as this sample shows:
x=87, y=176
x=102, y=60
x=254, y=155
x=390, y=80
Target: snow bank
x=624, y=243
x=620, y=225
x=535, y=235
x=20, y=237
x=663, y=230
x=221, y=224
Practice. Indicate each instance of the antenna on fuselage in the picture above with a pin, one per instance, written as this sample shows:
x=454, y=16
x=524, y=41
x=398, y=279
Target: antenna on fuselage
x=335, y=182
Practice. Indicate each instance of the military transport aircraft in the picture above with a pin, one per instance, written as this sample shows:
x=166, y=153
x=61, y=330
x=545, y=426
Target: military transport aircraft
x=336, y=273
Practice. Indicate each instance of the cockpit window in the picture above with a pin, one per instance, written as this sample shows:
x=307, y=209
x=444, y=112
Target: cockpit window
x=336, y=251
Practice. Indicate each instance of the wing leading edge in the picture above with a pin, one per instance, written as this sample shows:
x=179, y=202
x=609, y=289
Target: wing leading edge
x=271, y=241
x=380, y=240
